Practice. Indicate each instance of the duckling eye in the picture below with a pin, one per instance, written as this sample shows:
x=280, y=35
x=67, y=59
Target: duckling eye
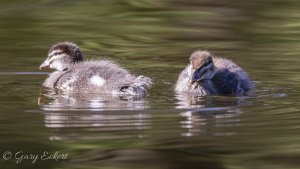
x=207, y=63
x=57, y=53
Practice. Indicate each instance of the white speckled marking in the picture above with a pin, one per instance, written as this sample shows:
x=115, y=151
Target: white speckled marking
x=97, y=80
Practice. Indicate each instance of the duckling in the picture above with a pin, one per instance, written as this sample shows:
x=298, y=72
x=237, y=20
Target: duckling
x=209, y=75
x=75, y=75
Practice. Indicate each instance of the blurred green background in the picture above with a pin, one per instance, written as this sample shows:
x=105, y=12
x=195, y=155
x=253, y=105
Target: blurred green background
x=154, y=38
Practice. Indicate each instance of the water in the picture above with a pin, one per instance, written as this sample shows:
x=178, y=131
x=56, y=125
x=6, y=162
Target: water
x=164, y=130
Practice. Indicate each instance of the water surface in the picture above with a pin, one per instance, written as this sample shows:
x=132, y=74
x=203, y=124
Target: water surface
x=153, y=38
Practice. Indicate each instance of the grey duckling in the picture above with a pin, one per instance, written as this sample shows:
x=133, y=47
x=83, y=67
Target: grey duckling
x=209, y=75
x=75, y=75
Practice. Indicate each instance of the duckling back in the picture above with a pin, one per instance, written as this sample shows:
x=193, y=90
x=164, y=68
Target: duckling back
x=230, y=78
x=98, y=77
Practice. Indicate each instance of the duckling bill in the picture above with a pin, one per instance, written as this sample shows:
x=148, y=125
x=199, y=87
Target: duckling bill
x=210, y=75
x=75, y=75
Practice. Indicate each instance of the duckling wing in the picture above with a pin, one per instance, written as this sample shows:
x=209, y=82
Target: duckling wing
x=101, y=76
x=226, y=81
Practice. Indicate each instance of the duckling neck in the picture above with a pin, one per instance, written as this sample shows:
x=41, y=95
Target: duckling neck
x=63, y=73
x=207, y=83
x=209, y=74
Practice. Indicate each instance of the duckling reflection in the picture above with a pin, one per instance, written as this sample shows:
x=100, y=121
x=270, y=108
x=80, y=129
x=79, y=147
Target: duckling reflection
x=75, y=75
x=208, y=75
x=208, y=121
x=80, y=116
x=80, y=125
x=207, y=114
x=189, y=101
x=50, y=100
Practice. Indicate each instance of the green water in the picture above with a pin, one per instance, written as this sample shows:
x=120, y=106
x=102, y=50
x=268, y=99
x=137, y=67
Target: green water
x=164, y=130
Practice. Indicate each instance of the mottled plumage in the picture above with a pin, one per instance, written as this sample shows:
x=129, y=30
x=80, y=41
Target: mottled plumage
x=209, y=75
x=75, y=75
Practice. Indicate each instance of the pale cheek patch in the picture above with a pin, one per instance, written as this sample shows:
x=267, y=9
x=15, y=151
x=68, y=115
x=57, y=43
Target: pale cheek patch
x=57, y=65
x=97, y=80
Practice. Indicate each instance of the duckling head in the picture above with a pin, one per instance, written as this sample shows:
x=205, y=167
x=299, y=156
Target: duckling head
x=202, y=66
x=62, y=55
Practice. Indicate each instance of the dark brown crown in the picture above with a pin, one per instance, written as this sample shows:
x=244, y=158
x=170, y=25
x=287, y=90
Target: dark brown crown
x=69, y=48
x=198, y=58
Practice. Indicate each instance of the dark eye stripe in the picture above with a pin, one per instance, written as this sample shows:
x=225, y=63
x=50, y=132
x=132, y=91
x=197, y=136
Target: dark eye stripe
x=55, y=54
x=205, y=64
